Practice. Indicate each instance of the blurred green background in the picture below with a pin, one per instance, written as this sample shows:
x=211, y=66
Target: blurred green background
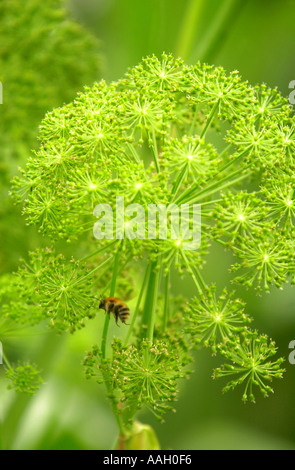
x=256, y=38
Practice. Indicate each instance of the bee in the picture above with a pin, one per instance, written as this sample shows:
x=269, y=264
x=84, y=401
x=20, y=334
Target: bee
x=117, y=307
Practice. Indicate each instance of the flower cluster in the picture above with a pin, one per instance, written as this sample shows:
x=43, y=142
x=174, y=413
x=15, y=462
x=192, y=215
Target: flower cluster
x=145, y=374
x=50, y=286
x=176, y=135
x=264, y=264
x=222, y=324
x=250, y=364
x=24, y=378
x=211, y=320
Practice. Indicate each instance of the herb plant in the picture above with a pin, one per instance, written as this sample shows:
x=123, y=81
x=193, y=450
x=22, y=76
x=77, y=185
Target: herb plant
x=166, y=133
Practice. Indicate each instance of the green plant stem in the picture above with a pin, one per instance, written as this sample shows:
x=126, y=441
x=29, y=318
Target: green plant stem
x=149, y=314
x=155, y=151
x=6, y=361
x=82, y=279
x=189, y=195
x=108, y=386
x=100, y=250
x=190, y=24
x=224, y=151
x=209, y=203
x=112, y=292
x=209, y=119
x=217, y=31
x=108, y=284
x=166, y=300
x=193, y=121
x=103, y=347
x=228, y=182
x=236, y=159
x=134, y=316
x=133, y=153
x=196, y=276
x=178, y=179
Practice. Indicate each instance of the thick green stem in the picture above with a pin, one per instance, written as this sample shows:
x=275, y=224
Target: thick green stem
x=155, y=150
x=112, y=292
x=149, y=314
x=217, y=31
x=100, y=250
x=141, y=437
x=166, y=300
x=196, y=276
x=179, y=179
x=192, y=194
x=210, y=119
x=236, y=159
x=108, y=385
x=6, y=361
x=133, y=153
x=190, y=25
x=108, y=284
x=135, y=313
x=226, y=183
x=105, y=334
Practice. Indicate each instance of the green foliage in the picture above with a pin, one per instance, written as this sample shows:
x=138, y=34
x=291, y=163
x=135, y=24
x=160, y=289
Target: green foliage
x=39, y=70
x=35, y=78
x=167, y=133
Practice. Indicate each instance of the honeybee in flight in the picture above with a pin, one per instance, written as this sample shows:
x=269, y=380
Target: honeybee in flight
x=115, y=306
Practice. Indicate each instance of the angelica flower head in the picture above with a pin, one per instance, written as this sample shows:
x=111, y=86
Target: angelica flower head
x=211, y=320
x=166, y=134
x=250, y=364
x=141, y=375
x=49, y=286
